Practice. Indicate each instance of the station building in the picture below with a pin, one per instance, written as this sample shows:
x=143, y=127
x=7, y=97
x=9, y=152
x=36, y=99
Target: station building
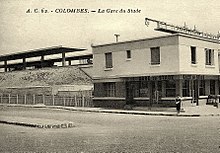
x=154, y=71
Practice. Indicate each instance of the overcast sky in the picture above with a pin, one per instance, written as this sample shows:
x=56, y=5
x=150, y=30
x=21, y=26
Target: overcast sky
x=20, y=31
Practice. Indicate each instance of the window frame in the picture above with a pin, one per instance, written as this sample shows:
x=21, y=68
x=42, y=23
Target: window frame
x=108, y=60
x=128, y=54
x=193, y=55
x=186, y=88
x=157, y=61
x=202, y=88
x=110, y=89
x=209, y=56
x=170, y=87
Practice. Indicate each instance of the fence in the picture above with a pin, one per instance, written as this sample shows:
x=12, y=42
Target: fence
x=77, y=100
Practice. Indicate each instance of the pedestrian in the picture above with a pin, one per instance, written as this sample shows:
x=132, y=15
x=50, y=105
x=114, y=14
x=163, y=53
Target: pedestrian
x=178, y=104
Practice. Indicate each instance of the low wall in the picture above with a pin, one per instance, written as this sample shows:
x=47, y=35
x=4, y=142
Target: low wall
x=109, y=103
x=144, y=102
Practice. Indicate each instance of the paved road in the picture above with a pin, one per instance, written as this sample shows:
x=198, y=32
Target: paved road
x=97, y=132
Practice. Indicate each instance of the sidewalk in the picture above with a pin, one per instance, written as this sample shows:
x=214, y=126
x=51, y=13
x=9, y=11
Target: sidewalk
x=193, y=111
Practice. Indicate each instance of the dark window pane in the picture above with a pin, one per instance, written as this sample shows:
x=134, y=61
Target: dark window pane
x=128, y=54
x=193, y=55
x=155, y=55
x=108, y=60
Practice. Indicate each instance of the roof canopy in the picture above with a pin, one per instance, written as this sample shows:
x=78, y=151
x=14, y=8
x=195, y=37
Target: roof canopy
x=39, y=52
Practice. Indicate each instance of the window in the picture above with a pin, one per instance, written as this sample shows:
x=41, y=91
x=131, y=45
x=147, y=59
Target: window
x=108, y=60
x=110, y=89
x=202, y=88
x=170, y=88
x=185, y=88
x=128, y=54
x=209, y=54
x=141, y=88
x=193, y=55
x=155, y=55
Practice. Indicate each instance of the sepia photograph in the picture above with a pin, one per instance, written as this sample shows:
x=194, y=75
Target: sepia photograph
x=109, y=76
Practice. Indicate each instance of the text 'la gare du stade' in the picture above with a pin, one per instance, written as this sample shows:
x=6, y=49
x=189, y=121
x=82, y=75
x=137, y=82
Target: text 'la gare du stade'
x=82, y=10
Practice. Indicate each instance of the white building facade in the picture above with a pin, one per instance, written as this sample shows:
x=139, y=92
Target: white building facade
x=154, y=71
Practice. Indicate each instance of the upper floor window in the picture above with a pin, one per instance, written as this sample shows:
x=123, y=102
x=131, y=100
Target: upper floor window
x=193, y=55
x=108, y=60
x=128, y=54
x=209, y=56
x=155, y=55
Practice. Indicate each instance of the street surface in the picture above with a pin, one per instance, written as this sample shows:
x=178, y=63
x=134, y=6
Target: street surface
x=100, y=132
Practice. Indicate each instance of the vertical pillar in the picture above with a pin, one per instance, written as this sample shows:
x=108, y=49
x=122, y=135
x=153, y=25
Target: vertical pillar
x=179, y=87
x=196, y=91
x=6, y=65
x=190, y=88
x=199, y=84
x=63, y=59
x=216, y=87
x=24, y=63
x=150, y=92
x=69, y=62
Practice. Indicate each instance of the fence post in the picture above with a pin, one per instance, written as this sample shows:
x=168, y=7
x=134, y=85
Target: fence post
x=43, y=99
x=75, y=101
x=64, y=101
x=34, y=101
x=83, y=101
x=25, y=99
x=53, y=100
x=9, y=98
x=17, y=98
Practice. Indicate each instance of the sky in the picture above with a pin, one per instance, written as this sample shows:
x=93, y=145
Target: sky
x=21, y=31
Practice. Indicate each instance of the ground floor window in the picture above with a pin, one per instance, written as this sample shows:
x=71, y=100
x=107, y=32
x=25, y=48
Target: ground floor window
x=110, y=90
x=170, y=88
x=212, y=87
x=141, y=88
x=202, y=88
x=185, y=87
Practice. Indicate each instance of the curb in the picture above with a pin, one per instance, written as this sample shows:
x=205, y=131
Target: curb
x=35, y=125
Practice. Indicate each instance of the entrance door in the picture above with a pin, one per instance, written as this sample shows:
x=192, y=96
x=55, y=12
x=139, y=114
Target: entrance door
x=129, y=93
